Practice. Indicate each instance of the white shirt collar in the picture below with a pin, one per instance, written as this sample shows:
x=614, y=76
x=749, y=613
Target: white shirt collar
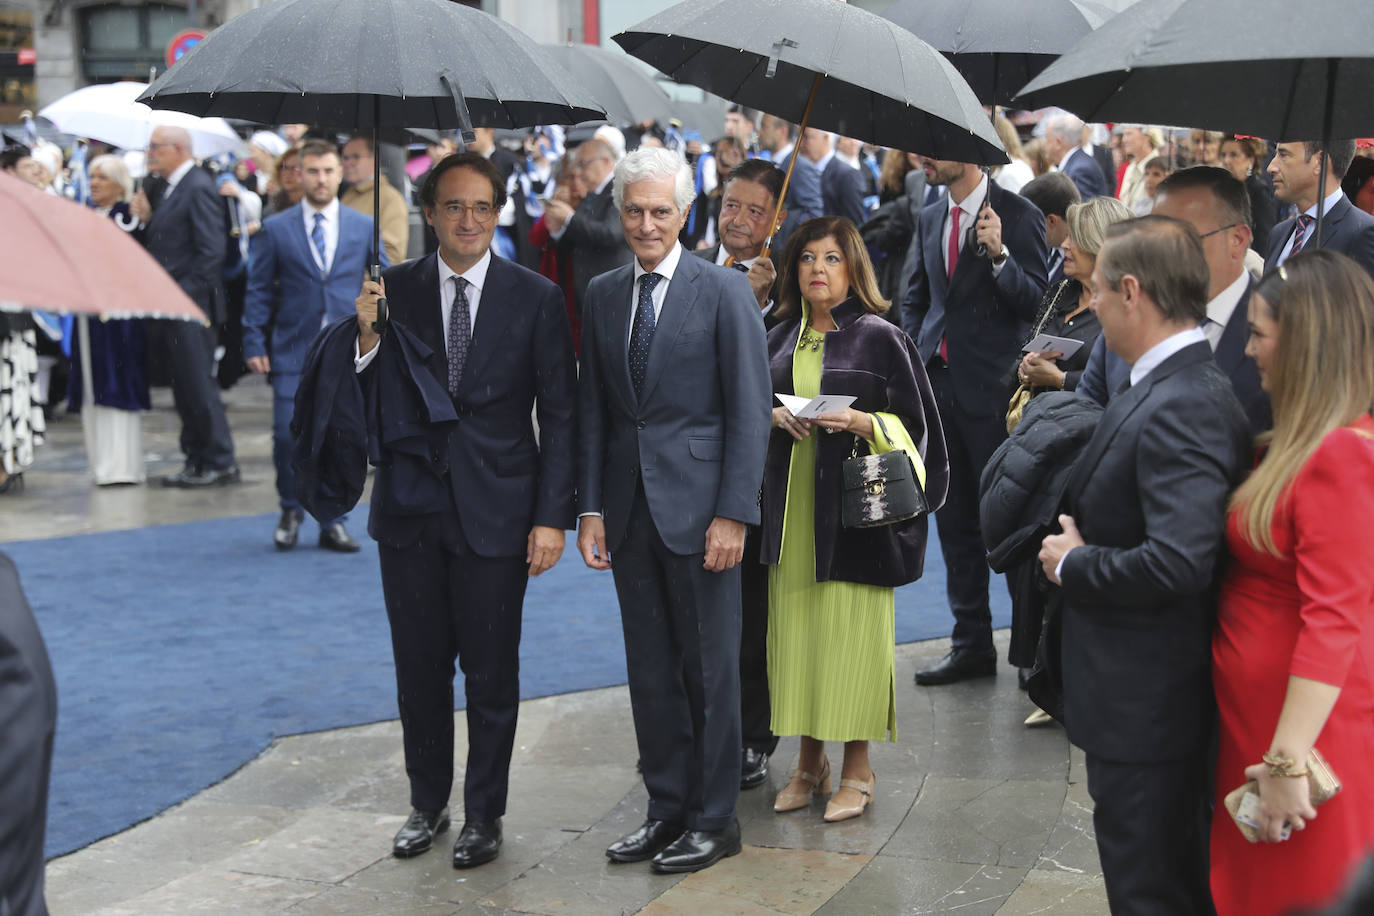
x=330, y=211
x=610, y=176
x=666, y=268
x=475, y=275
x=1153, y=357
x=825, y=161
x=1331, y=200
x=786, y=151
x=1065, y=161
x=722, y=255
x=1221, y=308
x=851, y=161
x=179, y=173
x=972, y=203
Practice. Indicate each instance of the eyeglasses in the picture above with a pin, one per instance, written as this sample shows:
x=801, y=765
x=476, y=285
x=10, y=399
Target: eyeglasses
x=482, y=213
x=1220, y=229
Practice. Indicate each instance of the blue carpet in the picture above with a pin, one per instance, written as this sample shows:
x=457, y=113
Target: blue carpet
x=181, y=651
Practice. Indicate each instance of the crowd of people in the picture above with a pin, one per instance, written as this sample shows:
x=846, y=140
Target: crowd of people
x=595, y=328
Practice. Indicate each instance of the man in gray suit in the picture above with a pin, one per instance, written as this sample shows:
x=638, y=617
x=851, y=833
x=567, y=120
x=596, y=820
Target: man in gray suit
x=591, y=234
x=675, y=402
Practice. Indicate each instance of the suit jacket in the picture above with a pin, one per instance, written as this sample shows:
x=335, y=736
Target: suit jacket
x=696, y=438
x=1103, y=157
x=770, y=318
x=282, y=271
x=842, y=192
x=28, y=722
x=594, y=240
x=500, y=478
x=1087, y=175
x=805, y=199
x=1345, y=228
x=1105, y=371
x=1149, y=495
x=188, y=234
x=985, y=319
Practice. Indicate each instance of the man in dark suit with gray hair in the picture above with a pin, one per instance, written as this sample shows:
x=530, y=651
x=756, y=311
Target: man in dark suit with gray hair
x=1136, y=564
x=675, y=399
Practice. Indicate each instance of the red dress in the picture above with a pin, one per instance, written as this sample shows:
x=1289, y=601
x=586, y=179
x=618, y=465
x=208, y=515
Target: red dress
x=1308, y=613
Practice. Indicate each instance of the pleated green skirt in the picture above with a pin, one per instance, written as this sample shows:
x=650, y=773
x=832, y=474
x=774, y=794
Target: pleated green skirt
x=831, y=645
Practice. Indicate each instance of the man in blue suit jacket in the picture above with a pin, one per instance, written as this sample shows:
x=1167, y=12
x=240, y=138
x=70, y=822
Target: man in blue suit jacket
x=1063, y=146
x=461, y=530
x=805, y=199
x=675, y=414
x=1296, y=169
x=970, y=314
x=307, y=261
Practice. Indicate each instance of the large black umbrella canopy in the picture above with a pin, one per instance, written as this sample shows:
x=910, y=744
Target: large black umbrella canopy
x=872, y=79
x=372, y=64
x=999, y=45
x=629, y=93
x=1261, y=67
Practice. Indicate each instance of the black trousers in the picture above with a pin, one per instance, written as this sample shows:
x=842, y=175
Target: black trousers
x=970, y=441
x=1152, y=823
x=756, y=712
x=186, y=350
x=682, y=631
x=445, y=602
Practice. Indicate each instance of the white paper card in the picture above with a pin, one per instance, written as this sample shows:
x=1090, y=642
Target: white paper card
x=811, y=408
x=1046, y=343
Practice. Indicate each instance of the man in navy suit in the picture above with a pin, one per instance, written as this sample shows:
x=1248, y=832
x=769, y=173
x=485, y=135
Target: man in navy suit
x=805, y=199
x=307, y=261
x=675, y=414
x=188, y=234
x=842, y=192
x=1296, y=170
x=1064, y=147
x=457, y=548
x=1217, y=205
x=1053, y=193
x=977, y=286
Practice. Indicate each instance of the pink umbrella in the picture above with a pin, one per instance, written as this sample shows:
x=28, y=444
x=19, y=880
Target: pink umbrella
x=59, y=256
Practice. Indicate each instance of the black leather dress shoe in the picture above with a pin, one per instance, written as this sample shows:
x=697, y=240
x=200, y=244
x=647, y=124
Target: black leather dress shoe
x=478, y=843
x=698, y=849
x=334, y=537
x=958, y=665
x=753, y=769
x=192, y=478
x=288, y=529
x=649, y=840
x=418, y=833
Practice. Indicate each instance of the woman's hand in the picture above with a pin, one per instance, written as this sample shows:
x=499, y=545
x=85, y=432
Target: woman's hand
x=1039, y=370
x=783, y=419
x=1283, y=800
x=848, y=420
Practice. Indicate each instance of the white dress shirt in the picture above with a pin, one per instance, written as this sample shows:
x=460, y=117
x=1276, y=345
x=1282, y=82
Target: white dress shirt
x=330, y=225
x=969, y=206
x=1331, y=200
x=1153, y=357
x=722, y=255
x=476, y=277
x=665, y=269
x=1220, y=309
x=175, y=178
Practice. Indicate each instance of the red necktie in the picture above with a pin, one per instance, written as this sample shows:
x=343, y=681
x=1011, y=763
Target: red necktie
x=953, y=262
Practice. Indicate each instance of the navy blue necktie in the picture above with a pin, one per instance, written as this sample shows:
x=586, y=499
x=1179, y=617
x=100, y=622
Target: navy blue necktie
x=317, y=236
x=1300, y=236
x=642, y=331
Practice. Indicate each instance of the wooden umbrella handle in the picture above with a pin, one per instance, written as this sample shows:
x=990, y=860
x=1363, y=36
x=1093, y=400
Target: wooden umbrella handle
x=791, y=164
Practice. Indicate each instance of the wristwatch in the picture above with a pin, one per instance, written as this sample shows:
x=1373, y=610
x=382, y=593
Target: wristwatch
x=1001, y=256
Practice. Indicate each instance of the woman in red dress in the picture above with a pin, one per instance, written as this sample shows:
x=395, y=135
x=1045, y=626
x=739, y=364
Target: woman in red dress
x=1293, y=654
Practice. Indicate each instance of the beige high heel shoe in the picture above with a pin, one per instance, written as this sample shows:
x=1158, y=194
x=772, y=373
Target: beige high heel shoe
x=835, y=812
x=801, y=785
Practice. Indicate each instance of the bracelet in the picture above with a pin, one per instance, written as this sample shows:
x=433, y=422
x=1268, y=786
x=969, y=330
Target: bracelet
x=1280, y=765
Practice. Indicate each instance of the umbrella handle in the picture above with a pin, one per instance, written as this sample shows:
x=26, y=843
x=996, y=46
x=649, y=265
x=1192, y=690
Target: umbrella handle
x=380, y=324
x=791, y=164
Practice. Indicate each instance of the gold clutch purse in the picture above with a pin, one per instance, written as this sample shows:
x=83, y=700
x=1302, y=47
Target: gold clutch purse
x=1243, y=801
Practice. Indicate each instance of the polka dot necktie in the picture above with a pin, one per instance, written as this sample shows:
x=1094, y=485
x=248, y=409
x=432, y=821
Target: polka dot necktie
x=643, y=331
x=459, y=334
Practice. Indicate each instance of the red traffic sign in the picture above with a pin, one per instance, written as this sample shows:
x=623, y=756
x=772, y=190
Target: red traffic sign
x=182, y=42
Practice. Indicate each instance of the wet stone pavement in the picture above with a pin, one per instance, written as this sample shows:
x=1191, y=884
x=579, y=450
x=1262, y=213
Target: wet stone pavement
x=974, y=813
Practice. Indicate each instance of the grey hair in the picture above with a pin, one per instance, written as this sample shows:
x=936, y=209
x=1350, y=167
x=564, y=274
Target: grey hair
x=113, y=169
x=1066, y=127
x=655, y=162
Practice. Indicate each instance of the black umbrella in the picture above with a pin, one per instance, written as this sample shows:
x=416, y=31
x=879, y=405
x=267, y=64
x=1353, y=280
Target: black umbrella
x=823, y=64
x=369, y=64
x=999, y=45
x=1260, y=67
x=629, y=92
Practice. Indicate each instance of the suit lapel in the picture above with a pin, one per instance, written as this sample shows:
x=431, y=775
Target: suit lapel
x=427, y=317
x=342, y=244
x=616, y=329
x=296, y=232
x=493, y=317
x=677, y=305
x=935, y=255
x=1230, y=352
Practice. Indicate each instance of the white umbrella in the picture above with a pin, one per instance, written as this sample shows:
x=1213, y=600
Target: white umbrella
x=107, y=112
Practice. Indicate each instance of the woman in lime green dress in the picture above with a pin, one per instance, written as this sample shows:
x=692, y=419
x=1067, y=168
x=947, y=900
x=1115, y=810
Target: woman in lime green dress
x=830, y=588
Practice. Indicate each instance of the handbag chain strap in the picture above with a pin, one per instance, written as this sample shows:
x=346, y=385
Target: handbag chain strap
x=854, y=452
x=1049, y=310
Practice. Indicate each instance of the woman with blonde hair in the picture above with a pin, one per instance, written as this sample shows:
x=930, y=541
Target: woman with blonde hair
x=830, y=589
x=109, y=383
x=1014, y=175
x=1293, y=650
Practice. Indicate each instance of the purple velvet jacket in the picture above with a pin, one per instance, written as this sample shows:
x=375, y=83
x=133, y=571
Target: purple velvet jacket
x=877, y=363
